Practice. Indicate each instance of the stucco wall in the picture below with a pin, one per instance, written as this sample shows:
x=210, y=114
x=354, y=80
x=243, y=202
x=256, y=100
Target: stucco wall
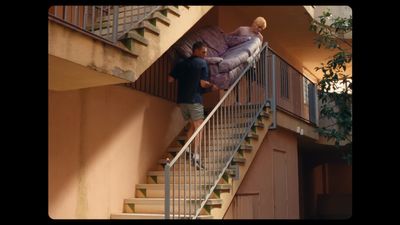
x=259, y=179
x=102, y=141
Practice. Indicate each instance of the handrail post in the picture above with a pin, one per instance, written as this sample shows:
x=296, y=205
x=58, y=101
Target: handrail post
x=115, y=24
x=265, y=72
x=316, y=108
x=273, y=100
x=167, y=187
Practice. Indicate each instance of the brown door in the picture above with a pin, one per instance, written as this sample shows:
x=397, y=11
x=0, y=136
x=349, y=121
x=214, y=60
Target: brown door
x=280, y=184
x=246, y=205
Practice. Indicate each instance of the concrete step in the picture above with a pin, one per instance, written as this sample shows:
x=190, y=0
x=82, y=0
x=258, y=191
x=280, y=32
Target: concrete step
x=212, y=147
x=141, y=28
x=135, y=36
x=167, y=10
x=228, y=135
x=208, y=159
x=180, y=189
x=157, y=177
x=133, y=8
x=158, y=17
x=154, y=216
x=156, y=205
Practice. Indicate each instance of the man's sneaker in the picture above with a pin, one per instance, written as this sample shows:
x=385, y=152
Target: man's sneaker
x=196, y=161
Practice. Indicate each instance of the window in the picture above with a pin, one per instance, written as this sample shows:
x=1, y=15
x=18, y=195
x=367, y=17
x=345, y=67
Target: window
x=305, y=90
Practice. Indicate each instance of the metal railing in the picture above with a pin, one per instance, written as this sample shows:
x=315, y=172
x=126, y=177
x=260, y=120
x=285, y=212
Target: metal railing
x=192, y=175
x=108, y=22
x=289, y=90
x=154, y=80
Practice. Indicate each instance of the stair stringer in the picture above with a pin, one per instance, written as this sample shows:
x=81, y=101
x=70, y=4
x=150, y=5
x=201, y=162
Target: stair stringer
x=219, y=213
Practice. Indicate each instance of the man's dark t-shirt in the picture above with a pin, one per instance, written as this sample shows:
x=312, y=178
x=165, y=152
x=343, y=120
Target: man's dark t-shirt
x=189, y=72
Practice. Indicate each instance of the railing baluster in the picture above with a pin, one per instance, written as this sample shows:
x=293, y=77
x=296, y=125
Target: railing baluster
x=124, y=26
x=108, y=23
x=273, y=85
x=115, y=24
x=184, y=186
x=85, y=14
x=75, y=15
x=93, y=14
x=101, y=22
x=65, y=12
x=167, y=186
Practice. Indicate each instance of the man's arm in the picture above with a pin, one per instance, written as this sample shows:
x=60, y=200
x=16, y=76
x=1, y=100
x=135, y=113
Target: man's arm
x=207, y=84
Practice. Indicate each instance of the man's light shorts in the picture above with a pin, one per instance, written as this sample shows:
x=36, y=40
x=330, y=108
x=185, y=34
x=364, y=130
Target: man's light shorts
x=192, y=111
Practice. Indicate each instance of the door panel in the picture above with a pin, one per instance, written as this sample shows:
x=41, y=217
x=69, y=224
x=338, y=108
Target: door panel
x=280, y=184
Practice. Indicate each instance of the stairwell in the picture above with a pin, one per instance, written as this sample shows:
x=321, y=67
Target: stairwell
x=137, y=46
x=230, y=138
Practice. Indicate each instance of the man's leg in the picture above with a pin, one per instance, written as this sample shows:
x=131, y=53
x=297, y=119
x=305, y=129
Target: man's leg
x=190, y=131
x=197, y=116
x=197, y=140
x=185, y=109
x=197, y=143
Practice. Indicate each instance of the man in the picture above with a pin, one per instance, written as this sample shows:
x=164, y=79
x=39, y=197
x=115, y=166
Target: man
x=192, y=76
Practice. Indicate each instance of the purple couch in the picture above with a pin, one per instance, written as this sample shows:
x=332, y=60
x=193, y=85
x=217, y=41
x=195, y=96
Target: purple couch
x=227, y=55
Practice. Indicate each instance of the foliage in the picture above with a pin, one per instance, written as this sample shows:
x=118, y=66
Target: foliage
x=335, y=88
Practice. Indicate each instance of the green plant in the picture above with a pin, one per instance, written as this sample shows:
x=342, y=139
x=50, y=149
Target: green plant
x=335, y=87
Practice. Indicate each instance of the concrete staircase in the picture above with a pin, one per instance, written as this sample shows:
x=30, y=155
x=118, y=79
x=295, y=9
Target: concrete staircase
x=149, y=199
x=92, y=63
x=150, y=38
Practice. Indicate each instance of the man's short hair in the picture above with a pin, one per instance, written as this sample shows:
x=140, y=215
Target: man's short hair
x=197, y=45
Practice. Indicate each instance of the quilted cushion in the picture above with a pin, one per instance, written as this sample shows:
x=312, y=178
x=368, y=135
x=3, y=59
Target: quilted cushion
x=233, y=40
x=232, y=59
x=184, y=45
x=214, y=38
x=221, y=80
x=227, y=55
x=213, y=60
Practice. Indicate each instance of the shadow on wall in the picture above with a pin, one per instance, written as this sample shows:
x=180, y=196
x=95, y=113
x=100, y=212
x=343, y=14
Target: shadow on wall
x=334, y=206
x=160, y=135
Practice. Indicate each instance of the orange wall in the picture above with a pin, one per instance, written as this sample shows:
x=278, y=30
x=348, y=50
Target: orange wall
x=259, y=178
x=102, y=141
x=229, y=20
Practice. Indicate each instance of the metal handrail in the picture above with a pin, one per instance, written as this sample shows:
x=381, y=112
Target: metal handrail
x=210, y=115
x=146, y=15
x=277, y=100
x=93, y=18
x=227, y=111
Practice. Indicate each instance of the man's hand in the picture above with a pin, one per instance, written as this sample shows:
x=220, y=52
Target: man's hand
x=205, y=84
x=170, y=79
x=214, y=87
